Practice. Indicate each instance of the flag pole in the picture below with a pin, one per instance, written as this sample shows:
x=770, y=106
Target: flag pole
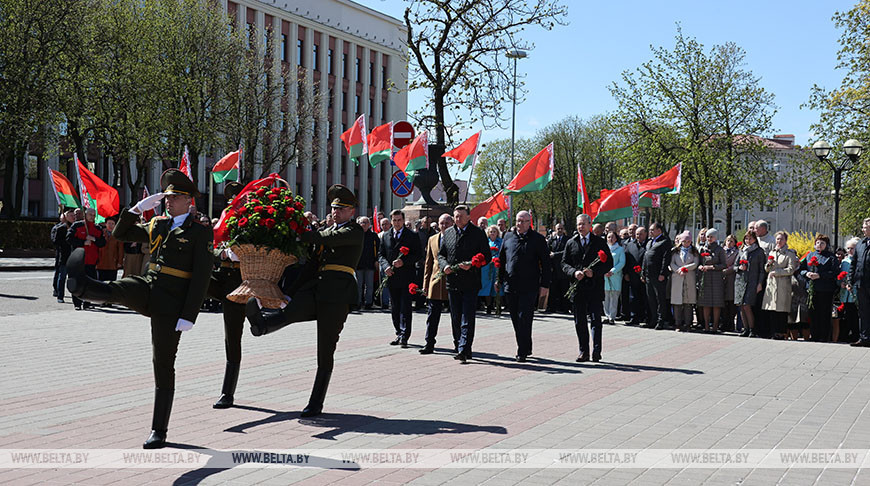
x=210, y=194
x=470, y=174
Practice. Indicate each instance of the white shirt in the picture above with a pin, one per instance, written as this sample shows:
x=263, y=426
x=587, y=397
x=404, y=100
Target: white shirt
x=178, y=221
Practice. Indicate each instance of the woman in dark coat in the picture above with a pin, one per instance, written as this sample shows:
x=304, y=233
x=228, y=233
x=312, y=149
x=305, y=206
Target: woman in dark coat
x=821, y=268
x=729, y=312
x=749, y=276
x=711, y=283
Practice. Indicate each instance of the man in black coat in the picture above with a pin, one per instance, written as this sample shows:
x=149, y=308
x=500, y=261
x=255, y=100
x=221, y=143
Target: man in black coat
x=559, y=282
x=635, y=250
x=580, y=253
x=368, y=261
x=401, y=271
x=62, y=250
x=655, y=274
x=525, y=273
x=458, y=246
x=860, y=283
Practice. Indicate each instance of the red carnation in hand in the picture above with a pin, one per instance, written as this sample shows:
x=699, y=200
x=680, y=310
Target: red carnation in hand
x=841, y=307
x=276, y=190
x=478, y=260
x=744, y=262
x=261, y=192
x=243, y=222
x=493, y=248
x=404, y=250
x=814, y=262
x=602, y=256
x=638, y=269
x=705, y=254
x=413, y=289
x=770, y=258
x=842, y=275
x=739, y=244
x=270, y=223
x=684, y=270
x=497, y=262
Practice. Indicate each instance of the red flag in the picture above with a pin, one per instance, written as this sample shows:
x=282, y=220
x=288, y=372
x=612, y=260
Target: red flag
x=376, y=225
x=414, y=156
x=535, y=175
x=96, y=194
x=221, y=233
x=492, y=209
x=380, y=144
x=149, y=213
x=582, y=195
x=184, y=165
x=355, y=139
x=465, y=152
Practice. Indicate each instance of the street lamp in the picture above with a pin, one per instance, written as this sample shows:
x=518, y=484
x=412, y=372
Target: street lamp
x=514, y=54
x=852, y=148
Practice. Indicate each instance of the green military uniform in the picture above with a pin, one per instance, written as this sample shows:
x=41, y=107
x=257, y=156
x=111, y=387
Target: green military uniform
x=224, y=279
x=172, y=288
x=324, y=291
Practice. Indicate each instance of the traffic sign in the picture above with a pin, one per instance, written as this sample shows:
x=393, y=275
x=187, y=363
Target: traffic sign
x=400, y=185
x=403, y=133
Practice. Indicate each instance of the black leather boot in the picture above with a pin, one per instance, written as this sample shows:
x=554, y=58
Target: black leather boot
x=231, y=377
x=80, y=284
x=160, y=419
x=318, y=394
x=263, y=321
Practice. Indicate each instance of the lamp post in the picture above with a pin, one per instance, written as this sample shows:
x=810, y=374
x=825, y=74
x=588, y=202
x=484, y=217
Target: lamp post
x=514, y=54
x=852, y=148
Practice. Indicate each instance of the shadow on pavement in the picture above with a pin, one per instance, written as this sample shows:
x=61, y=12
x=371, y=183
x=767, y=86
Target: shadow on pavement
x=537, y=364
x=24, y=297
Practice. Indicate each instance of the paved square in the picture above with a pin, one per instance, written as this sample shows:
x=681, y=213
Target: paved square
x=83, y=380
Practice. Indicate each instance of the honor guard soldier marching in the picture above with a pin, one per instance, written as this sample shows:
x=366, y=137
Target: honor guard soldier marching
x=171, y=291
x=224, y=279
x=324, y=291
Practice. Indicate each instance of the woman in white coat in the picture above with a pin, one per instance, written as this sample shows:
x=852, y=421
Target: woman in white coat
x=613, y=278
x=684, y=259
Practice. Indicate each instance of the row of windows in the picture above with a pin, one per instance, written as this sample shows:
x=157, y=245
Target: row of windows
x=330, y=60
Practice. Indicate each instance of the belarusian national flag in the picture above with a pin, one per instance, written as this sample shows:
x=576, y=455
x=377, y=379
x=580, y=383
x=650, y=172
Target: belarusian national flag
x=184, y=165
x=667, y=183
x=64, y=192
x=582, y=195
x=96, y=194
x=616, y=204
x=355, y=139
x=465, y=152
x=227, y=168
x=493, y=209
x=535, y=175
x=147, y=214
x=376, y=225
x=414, y=156
x=380, y=144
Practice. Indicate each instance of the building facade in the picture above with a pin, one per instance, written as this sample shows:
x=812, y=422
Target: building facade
x=356, y=58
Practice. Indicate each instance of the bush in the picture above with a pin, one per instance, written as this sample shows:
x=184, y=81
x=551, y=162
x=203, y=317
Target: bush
x=25, y=235
x=801, y=242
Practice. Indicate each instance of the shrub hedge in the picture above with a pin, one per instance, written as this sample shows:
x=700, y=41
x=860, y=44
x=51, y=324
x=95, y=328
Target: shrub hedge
x=25, y=235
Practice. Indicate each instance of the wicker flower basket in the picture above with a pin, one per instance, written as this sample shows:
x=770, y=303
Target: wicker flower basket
x=261, y=269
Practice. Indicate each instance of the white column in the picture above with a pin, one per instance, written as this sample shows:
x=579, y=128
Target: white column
x=292, y=37
x=378, y=115
x=351, y=111
x=337, y=145
x=364, y=108
x=307, y=157
x=322, y=136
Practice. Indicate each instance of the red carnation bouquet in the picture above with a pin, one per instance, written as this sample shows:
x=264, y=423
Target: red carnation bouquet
x=477, y=261
x=638, y=269
x=413, y=288
x=812, y=266
x=403, y=250
x=572, y=289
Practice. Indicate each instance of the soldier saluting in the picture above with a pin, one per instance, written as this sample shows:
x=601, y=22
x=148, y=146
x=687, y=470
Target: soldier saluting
x=324, y=291
x=171, y=291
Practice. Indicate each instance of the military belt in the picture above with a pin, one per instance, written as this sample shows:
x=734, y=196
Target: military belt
x=169, y=271
x=229, y=264
x=338, y=268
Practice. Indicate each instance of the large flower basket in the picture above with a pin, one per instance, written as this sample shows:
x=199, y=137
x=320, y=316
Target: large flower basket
x=261, y=269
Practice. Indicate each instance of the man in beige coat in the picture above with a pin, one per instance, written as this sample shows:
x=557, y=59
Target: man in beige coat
x=436, y=292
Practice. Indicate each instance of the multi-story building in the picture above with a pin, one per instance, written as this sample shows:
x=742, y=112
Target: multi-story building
x=358, y=58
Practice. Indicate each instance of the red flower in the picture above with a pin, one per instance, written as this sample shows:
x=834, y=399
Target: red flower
x=841, y=307
x=270, y=223
x=293, y=225
x=705, y=254
x=290, y=210
x=243, y=210
x=298, y=206
x=478, y=260
x=493, y=248
x=262, y=222
x=842, y=275
x=770, y=258
x=602, y=256
x=243, y=222
x=404, y=250
x=739, y=244
x=413, y=288
x=684, y=270
x=270, y=210
x=276, y=190
x=261, y=192
x=257, y=209
x=814, y=262
x=272, y=197
x=300, y=229
x=497, y=262
x=638, y=269
x=744, y=262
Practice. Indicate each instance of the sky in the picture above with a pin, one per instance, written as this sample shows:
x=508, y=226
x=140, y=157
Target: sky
x=790, y=45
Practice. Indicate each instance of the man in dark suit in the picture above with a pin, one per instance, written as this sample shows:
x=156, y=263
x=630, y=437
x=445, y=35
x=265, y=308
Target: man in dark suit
x=559, y=282
x=401, y=270
x=580, y=252
x=458, y=246
x=62, y=250
x=525, y=272
x=171, y=291
x=860, y=282
x=635, y=250
x=655, y=274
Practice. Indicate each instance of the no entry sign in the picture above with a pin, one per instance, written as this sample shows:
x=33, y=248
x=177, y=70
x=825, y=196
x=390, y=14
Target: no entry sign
x=403, y=134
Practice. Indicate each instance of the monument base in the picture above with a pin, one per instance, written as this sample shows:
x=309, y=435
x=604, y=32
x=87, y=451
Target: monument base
x=414, y=212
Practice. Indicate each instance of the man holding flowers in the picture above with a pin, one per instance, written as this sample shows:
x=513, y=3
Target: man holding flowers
x=399, y=251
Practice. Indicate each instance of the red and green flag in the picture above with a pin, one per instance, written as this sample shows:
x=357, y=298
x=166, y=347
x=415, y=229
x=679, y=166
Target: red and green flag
x=465, y=152
x=64, y=192
x=414, y=156
x=666, y=183
x=380, y=144
x=617, y=204
x=582, y=195
x=227, y=168
x=355, y=139
x=535, y=175
x=493, y=209
x=184, y=165
x=96, y=194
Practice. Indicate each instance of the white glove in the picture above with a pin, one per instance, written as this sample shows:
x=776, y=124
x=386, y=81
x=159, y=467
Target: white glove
x=148, y=203
x=183, y=325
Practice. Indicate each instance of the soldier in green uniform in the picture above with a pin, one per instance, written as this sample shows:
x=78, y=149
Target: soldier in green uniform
x=171, y=291
x=224, y=279
x=324, y=291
